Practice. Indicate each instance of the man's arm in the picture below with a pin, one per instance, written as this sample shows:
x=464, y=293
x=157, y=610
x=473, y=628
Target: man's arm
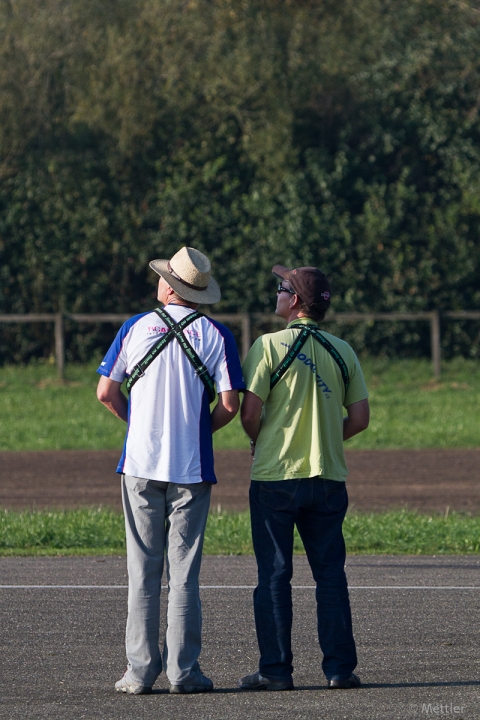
x=225, y=409
x=358, y=416
x=110, y=395
x=251, y=412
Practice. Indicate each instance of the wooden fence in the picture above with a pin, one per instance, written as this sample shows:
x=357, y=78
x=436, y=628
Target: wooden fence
x=245, y=321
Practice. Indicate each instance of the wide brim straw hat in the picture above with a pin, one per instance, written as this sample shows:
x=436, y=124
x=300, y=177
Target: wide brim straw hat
x=189, y=274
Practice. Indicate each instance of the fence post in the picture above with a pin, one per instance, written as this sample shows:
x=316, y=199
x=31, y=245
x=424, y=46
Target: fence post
x=60, y=345
x=435, y=343
x=246, y=334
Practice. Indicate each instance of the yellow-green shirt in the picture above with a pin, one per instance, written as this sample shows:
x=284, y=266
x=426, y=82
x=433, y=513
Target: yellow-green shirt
x=301, y=434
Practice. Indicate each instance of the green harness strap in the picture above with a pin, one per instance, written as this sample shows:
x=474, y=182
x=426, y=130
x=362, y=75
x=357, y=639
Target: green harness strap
x=300, y=340
x=175, y=331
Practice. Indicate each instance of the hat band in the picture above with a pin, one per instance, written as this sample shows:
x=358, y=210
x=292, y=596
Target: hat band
x=184, y=282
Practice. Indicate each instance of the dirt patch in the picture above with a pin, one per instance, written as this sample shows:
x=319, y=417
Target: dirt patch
x=428, y=480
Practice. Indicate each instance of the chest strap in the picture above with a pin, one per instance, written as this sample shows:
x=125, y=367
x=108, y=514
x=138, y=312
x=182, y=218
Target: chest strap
x=175, y=331
x=299, y=342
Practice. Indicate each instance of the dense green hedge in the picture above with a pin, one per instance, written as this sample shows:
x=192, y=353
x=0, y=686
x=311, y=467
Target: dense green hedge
x=340, y=134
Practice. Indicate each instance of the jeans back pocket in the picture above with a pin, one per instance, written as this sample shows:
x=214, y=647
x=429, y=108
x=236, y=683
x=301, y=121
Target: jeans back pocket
x=336, y=497
x=278, y=494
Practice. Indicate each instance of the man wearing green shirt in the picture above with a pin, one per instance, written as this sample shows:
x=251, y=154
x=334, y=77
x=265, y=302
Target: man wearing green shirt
x=298, y=382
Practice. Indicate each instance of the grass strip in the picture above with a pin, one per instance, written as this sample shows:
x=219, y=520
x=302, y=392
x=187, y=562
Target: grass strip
x=101, y=532
x=407, y=532
x=408, y=408
x=59, y=532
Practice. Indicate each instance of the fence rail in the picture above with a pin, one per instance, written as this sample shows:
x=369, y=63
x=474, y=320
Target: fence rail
x=245, y=322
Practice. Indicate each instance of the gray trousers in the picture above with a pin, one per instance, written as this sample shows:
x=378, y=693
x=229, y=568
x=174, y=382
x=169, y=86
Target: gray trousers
x=169, y=519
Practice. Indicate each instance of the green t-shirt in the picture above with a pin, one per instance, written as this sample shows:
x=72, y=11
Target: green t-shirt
x=301, y=435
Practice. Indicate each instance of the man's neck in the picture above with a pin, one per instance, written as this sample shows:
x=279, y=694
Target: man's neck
x=296, y=315
x=192, y=306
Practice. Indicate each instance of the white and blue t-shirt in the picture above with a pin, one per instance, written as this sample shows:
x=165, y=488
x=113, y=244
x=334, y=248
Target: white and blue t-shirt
x=169, y=435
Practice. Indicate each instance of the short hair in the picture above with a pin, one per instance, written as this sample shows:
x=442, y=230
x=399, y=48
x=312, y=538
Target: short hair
x=313, y=312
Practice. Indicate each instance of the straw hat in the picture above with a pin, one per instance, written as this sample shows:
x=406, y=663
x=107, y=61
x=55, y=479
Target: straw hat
x=188, y=273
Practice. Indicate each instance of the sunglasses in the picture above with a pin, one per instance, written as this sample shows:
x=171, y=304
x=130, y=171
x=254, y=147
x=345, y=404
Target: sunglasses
x=280, y=289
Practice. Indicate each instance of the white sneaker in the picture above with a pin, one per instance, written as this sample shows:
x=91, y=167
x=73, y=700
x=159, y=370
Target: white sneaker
x=201, y=685
x=131, y=688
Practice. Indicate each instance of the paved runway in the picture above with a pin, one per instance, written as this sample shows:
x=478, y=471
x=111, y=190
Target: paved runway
x=416, y=622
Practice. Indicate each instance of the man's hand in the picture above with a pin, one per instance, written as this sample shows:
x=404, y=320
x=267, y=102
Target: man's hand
x=251, y=412
x=110, y=395
x=225, y=409
x=358, y=417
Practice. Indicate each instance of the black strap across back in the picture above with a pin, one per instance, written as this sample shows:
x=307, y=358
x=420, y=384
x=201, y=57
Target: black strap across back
x=175, y=331
x=306, y=332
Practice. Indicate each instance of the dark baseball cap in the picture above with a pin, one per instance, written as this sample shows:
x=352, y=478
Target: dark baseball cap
x=309, y=283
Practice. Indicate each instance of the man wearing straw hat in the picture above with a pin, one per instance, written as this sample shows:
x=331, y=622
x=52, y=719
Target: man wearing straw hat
x=299, y=380
x=172, y=359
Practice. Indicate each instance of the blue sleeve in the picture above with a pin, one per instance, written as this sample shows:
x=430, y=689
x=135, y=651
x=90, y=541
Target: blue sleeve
x=111, y=358
x=234, y=367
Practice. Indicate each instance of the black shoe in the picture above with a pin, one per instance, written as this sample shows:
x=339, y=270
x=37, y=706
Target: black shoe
x=351, y=682
x=258, y=682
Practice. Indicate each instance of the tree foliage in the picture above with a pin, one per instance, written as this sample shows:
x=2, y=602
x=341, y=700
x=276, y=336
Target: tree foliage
x=344, y=135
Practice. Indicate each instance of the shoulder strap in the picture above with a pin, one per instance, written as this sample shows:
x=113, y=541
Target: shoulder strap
x=307, y=330
x=282, y=368
x=334, y=353
x=199, y=367
x=139, y=369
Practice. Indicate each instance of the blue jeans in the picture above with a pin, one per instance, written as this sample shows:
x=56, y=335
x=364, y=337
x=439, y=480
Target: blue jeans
x=317, y=507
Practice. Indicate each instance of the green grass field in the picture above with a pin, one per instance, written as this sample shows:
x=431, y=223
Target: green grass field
x=101, y=532
x=409, y=409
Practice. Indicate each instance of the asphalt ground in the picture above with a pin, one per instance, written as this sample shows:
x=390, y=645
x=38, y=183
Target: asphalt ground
x=415, y=620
